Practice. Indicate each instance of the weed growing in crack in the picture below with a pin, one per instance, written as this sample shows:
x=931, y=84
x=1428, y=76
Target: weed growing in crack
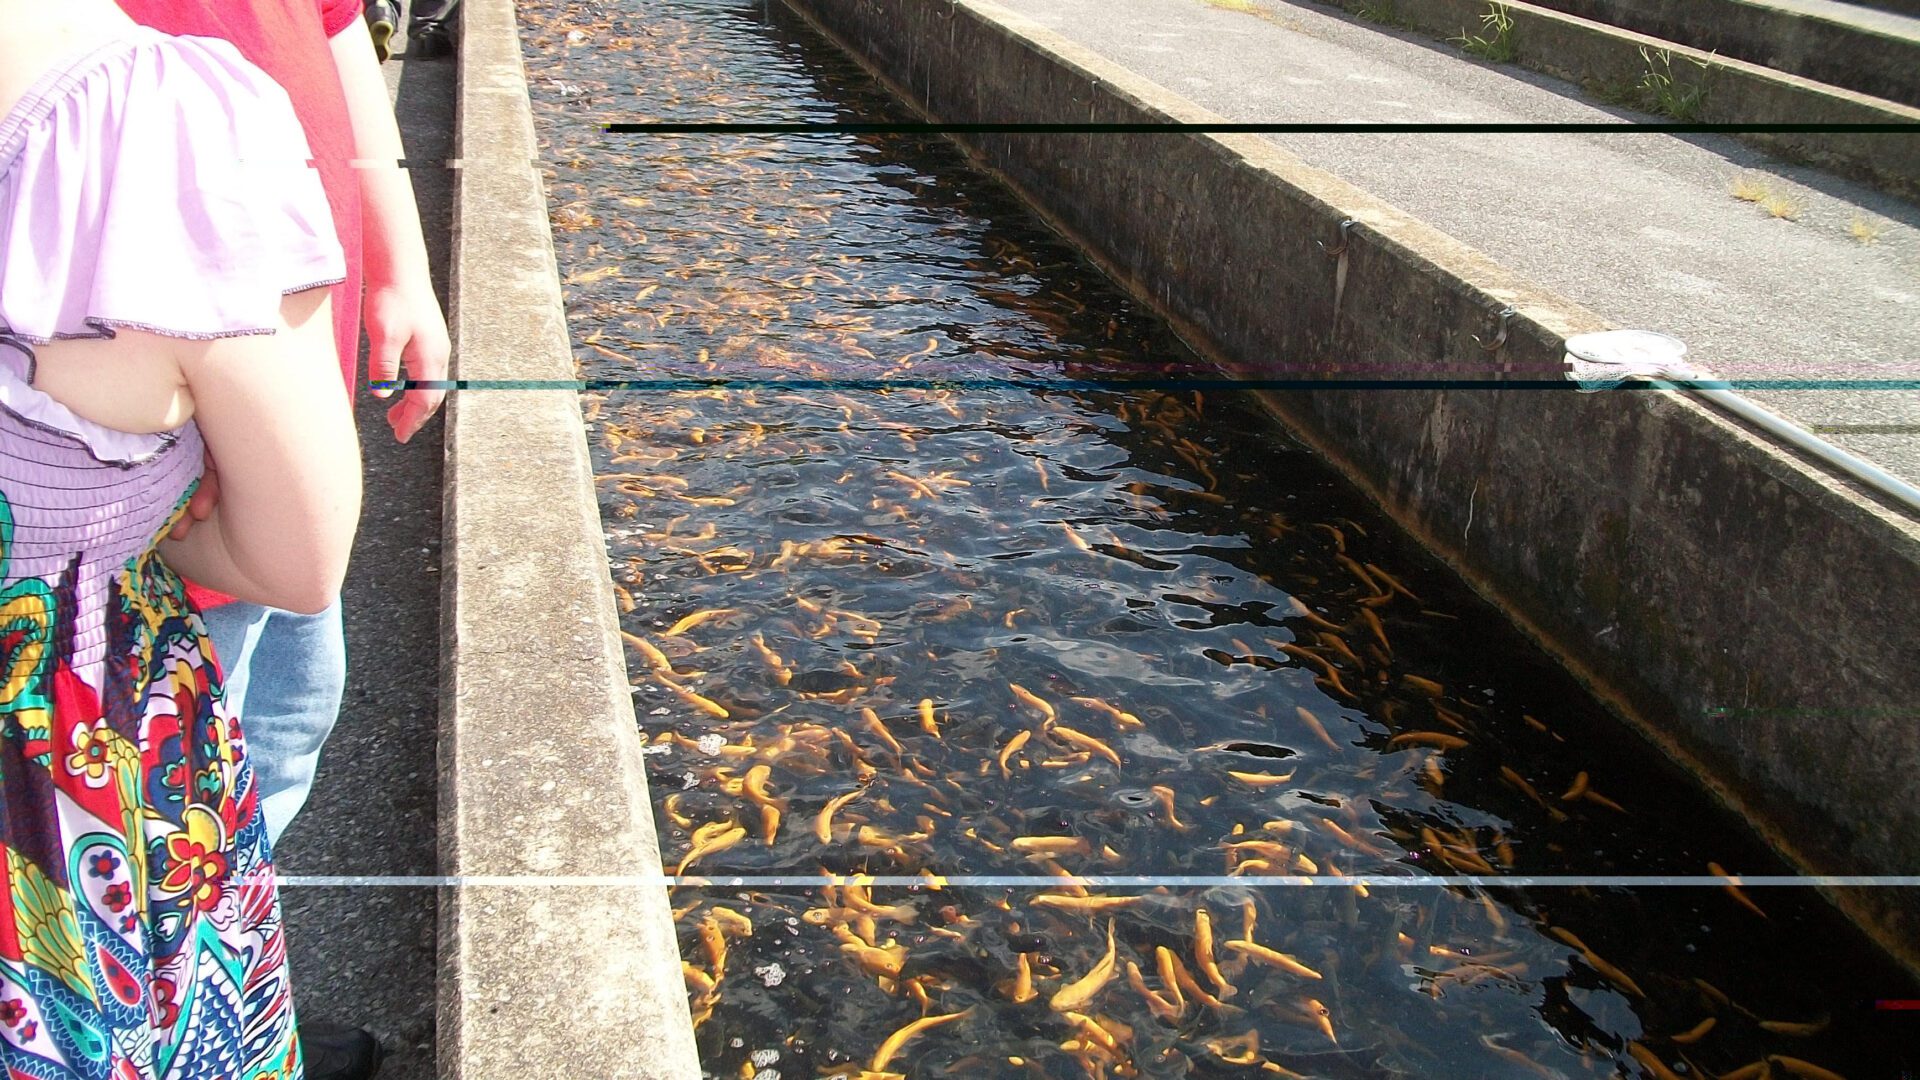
x=1661, y=93
x=1496, y=44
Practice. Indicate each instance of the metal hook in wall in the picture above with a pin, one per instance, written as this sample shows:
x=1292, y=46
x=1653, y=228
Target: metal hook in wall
x=1339, y=255
x=1346, y=226
x=1500, y=338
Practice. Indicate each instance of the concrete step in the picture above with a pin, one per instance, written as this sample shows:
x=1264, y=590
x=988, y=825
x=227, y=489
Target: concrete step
x=1845, y=45
x=1668, y=79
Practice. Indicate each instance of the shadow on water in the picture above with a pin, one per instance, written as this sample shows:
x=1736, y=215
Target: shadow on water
x=1018, y=638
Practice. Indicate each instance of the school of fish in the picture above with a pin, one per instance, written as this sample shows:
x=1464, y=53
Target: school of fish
x=947, y=631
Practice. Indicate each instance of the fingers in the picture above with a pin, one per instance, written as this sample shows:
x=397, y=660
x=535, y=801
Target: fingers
x=200, y=504
x=412, y=412
x=383, y=360
x=204, y=497
x=427, y=355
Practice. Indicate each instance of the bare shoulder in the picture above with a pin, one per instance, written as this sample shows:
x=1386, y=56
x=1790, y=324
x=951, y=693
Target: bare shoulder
x=133, y=381
x=39, y=35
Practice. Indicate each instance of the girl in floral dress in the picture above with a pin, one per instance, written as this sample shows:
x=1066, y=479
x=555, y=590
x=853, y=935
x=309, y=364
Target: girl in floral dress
x=163, y=243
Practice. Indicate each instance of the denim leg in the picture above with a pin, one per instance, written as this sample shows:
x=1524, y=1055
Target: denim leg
x=235, y=628
x=290, y=671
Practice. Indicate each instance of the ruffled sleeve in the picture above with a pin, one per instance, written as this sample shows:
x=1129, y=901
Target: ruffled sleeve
x=163, y=184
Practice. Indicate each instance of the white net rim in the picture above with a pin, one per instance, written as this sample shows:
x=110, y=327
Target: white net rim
x=1605, y=359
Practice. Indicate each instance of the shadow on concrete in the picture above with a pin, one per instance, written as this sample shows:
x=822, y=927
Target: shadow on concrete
x=365, y=955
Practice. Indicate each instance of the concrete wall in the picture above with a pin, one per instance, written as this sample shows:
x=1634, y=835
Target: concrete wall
x=541, y=775
x=1751, y=616
x=1609, y=61
x=1881, y=64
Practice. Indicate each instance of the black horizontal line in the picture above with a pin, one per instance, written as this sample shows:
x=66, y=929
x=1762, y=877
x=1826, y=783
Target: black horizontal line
x=1572, y=128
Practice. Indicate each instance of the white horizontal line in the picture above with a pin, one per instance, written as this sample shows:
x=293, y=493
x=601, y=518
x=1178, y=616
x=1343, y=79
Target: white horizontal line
x=1093, y=881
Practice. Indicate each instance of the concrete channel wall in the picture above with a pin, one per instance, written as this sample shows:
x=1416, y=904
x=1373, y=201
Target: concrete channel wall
x=541, y=775
x=1751, y=616
x=1851, y=54
x=1610, y=62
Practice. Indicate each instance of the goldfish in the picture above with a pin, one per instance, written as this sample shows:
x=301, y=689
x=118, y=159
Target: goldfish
x=1034, y=701
x=1087, y=741
x=1436, y=739
x=1732, y=888
x=1607, y=971
x=1050, y=845
x=1695, y=1033
x=1084, y=989
x=1322, y=1018
x=707, y=840
x=1119, y=716
x=823, y=824
x=690, y=621
x=1159, y=1006
x=1274, y=957
x=1259, y=779
x=1165, y=795
x=1013, y=746
x=1023, y=990
x=1084, y=904
x=1203, y=952
x=1652, y=1061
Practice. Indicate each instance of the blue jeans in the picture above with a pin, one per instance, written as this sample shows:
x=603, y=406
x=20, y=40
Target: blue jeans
x=284, y=677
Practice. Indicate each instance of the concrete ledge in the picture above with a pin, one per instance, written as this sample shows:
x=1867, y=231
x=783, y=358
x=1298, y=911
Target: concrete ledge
x=1607, y=59
x=1904, y=7
x=540, y=766
x=1845, y=50
x=1754, y=618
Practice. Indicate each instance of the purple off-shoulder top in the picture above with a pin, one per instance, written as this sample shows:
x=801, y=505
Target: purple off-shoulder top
x=159, y=183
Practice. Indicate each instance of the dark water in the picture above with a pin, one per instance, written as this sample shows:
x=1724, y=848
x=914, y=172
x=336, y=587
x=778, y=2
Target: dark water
x=1157, y=578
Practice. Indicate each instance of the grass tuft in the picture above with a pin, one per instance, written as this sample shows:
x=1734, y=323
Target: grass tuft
x=1383, y=12
x=1754, y=189
x=1660, y=92
x=1782, y=206
x=1751, y=189
x=1496, y=45
x=1865, y=230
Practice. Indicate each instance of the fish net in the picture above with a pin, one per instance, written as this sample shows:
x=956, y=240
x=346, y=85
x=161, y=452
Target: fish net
x=1604, y=360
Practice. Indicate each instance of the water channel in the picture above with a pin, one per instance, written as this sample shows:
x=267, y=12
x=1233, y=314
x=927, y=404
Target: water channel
x=1020, y=635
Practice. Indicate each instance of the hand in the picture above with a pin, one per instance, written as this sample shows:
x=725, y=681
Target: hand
x=405, y=327
x=201, y=504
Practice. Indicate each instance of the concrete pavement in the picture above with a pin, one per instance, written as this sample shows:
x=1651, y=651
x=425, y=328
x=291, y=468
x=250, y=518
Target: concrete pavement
x=1642, y=229
x=365, y=955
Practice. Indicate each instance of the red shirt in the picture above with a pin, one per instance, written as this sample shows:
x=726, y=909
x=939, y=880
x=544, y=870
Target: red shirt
x=288, y=39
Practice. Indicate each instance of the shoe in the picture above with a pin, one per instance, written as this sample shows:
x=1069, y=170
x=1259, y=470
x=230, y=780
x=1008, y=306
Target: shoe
x=430, y=31
x=338, y=1052
x=383, y=18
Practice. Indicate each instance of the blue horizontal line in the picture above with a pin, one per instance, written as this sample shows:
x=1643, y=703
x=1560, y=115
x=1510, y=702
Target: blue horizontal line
x=996, y=383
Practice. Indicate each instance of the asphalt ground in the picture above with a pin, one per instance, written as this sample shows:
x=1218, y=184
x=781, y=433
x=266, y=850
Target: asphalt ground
x=1642, y=229
x=364, y=955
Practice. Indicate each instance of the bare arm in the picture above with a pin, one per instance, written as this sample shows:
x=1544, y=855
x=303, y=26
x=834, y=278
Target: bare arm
x=403, y=319
x=275, y=415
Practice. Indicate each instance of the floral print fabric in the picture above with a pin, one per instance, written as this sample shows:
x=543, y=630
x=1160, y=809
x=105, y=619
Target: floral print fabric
x=140, y=934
